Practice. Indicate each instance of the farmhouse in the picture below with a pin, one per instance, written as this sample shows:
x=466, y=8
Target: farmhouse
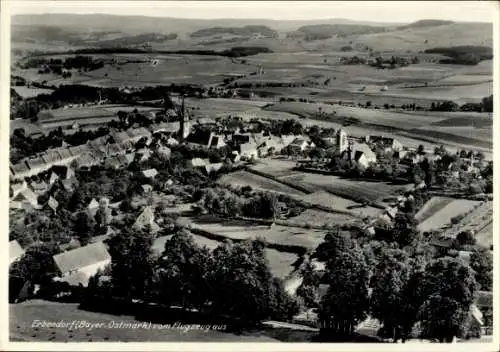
x=78, y=265
x=270, y=146
x=205, y=139
x=360, y=153
x=15, y=251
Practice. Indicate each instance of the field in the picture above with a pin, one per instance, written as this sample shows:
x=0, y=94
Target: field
x=351, y=189
x=432, y=206
x=334, y=202
x=280, y=263
x=245, y=178
x=24, y=314
x=485, y=236
x=275, y=167
x=26, y=92
x=320, y=218
x=276, y=234
x=442, y=217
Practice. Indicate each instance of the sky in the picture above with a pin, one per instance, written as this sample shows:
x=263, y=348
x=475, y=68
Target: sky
x=376, y=11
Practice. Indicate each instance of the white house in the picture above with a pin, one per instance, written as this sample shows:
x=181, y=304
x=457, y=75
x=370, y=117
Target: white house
x=78, y=265
x=15, y=251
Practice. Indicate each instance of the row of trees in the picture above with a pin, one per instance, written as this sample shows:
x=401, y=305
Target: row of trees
x=232, y=280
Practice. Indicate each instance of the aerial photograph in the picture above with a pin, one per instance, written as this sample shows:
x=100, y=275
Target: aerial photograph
x=287, y=172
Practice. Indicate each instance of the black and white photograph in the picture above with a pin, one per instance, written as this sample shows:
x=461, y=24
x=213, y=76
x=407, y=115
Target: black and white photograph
x=250, y=172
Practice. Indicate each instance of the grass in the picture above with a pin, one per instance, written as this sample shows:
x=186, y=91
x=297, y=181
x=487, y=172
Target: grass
x=443, y=216
x=432, y=206
x=320, y=218
x=350, y=189
x=245, y=178
x=23, y=315
x=275, y=167
x=485, y=236
x=276, y=234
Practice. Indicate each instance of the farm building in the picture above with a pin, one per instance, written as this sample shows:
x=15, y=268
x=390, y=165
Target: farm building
x=18, y=187
x=15, y=251
x=206, y=139
x=270, y=146
x=78, y=265
x=360, y=153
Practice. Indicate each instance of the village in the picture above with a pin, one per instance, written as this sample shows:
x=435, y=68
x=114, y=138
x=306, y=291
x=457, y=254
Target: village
x=149, y=185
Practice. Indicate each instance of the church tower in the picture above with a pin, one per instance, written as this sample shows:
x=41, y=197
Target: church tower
x=342, y=142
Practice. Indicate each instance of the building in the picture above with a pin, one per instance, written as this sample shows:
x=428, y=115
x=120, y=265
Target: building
x=341, y=141
x=388, y=144
x=150, y=173
x=248, y=151
x=360, y=153
x=77, y=266
x=300, y=144
x=25, y=199
x=15, y=251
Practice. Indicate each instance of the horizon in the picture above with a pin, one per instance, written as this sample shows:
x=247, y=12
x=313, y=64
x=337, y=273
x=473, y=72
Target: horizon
x=386, y=12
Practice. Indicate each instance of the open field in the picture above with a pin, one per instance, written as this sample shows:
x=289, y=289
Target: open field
x=479, y=218
x=245, y=178
x=431, y=207
x=320, y=218
x=26, y=92
x=23, y=315
x=276, y=234
x=275, y=167
x=334, y=202
x=443, y=216
x=351, y=189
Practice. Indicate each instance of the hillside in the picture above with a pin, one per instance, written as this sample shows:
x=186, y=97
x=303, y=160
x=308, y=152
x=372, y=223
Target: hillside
x=325, y=31
x=241, y=31
x=425, y=23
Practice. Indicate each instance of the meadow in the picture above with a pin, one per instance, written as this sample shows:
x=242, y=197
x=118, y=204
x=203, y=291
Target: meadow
x=359, y=191
x=442, y=217
x=22, y=316
x=245, y=178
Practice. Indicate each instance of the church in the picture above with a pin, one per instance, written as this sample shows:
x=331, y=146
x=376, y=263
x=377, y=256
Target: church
x=354, y=151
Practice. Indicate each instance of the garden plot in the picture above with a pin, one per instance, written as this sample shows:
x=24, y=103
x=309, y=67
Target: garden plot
x=275, y=167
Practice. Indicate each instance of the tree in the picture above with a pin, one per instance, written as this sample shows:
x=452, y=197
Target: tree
x=481, y=261
x=36, y=265
x=346, y=301
x=420, y=149
x=241, y=281
x=465, y=238
x=132, y=261
x=388, y=282
x=84, y=228
x=309, y=286
x=183, y=272
x=450, y=287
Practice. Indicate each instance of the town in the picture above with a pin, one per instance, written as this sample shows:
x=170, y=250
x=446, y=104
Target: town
x=319, y=219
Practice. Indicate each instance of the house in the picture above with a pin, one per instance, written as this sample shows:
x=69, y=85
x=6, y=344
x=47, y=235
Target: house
x=15, y=251
x=206, y=139
x=77, y=266
x=92, y=207
x=248, y=151
x=150, y=173
x=136, y=134
x=300, y=144
x=172, y=142
x=360, y=153
x=388, y=144
x=213, y=167
x=20, y=170
x=235, y=156
x=26, y=199
x=18, y=187
x=126, y=160
x=198, y=162
x=270, y=146
x=146, y=218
